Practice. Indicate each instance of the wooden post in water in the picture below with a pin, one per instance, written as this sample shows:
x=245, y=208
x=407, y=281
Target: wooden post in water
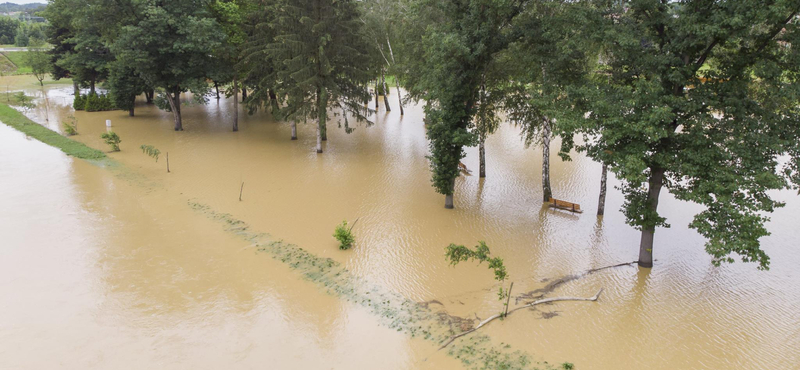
x=240, y=191
x=167, y=162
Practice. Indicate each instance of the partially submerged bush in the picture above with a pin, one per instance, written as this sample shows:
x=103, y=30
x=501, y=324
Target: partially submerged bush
x=151, y=151
x=93, y=103
x=112, y=139
x=344, y=235
x=98, y=103
x=79, y=103
x=71, y=126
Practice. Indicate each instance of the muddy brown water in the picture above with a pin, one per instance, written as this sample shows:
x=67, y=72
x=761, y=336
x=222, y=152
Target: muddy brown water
x=109, y=268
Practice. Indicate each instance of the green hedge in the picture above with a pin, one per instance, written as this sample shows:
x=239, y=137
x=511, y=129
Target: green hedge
x=93, y=103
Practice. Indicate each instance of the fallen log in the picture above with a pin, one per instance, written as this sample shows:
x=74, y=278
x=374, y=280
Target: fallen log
x=534, y=303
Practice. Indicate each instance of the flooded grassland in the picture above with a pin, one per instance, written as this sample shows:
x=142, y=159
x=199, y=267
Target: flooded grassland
x=135, y=267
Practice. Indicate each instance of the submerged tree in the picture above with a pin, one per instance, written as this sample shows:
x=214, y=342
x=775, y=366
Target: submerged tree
x=125, y=85
x=169, y=46
x=450, y=58
x=230, y=15
x=321, y=59
x=549, y=56
x=700, y=98
x=79, y=51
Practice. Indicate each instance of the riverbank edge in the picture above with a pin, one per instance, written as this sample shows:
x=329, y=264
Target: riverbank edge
x=16, y=120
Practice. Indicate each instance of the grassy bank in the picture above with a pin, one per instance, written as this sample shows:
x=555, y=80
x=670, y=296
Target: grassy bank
x=18, y=59
x=18, y=121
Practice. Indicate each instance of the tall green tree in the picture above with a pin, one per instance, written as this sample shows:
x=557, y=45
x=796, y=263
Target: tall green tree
x=460, y=40
x=700, y=98
x=259, y=69
x=40, y=63
x=320, y=53
x=79, y=49
x=550, y=54
x=169, y=46
x=231, y=15
x=124, y=85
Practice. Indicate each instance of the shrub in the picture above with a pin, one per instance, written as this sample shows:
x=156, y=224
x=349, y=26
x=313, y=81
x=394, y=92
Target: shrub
x=98, y=103
x=93, y=103
x=112, y=139
x=71, y=126
x=79, y=103
x=567, y=366
x=344, y=235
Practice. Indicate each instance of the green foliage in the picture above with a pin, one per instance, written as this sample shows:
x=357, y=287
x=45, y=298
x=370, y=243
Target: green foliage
x=151, y=151
x=98, y=103
x=124, y=86
x=18, y=121
x=450, y=60
x=40, y=63
x=169, y=46
x=79, y=103
x=705, y=97
x=70, y=126
x=319, y=58
x=344, y=235
x=29, y=34
x=112, y=139
x=459, y=253
x=8, y=30
x=567, y=366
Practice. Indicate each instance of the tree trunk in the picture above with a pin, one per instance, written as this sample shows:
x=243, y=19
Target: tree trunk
x=91, y=87
x=376, y=95
x=175, y=105
x=547, y=192
x=322, y=116
x=399, y=98
x=448, y=198
x=216, y=87
x=385, y=95
x=319, y=140
x=273, y=100
x=294, y=130
x=482, y=155
x=76, y=89
x=148, y=96
x=244, y=94
x=235, y=104
x=601, y=203
x=646, y=245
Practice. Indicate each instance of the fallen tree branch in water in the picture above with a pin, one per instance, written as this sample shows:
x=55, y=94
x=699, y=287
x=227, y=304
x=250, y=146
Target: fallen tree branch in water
x=534, y=303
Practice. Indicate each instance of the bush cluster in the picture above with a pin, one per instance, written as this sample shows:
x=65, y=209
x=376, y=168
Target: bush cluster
x=93, y=103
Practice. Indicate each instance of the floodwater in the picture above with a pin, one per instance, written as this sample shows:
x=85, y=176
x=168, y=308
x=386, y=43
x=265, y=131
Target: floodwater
x=111, y=267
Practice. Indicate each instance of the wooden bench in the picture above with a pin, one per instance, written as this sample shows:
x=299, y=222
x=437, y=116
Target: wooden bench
x=560, y=204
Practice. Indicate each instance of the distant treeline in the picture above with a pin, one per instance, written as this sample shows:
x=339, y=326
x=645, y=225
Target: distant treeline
x=20, y=33
x=24, y=8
